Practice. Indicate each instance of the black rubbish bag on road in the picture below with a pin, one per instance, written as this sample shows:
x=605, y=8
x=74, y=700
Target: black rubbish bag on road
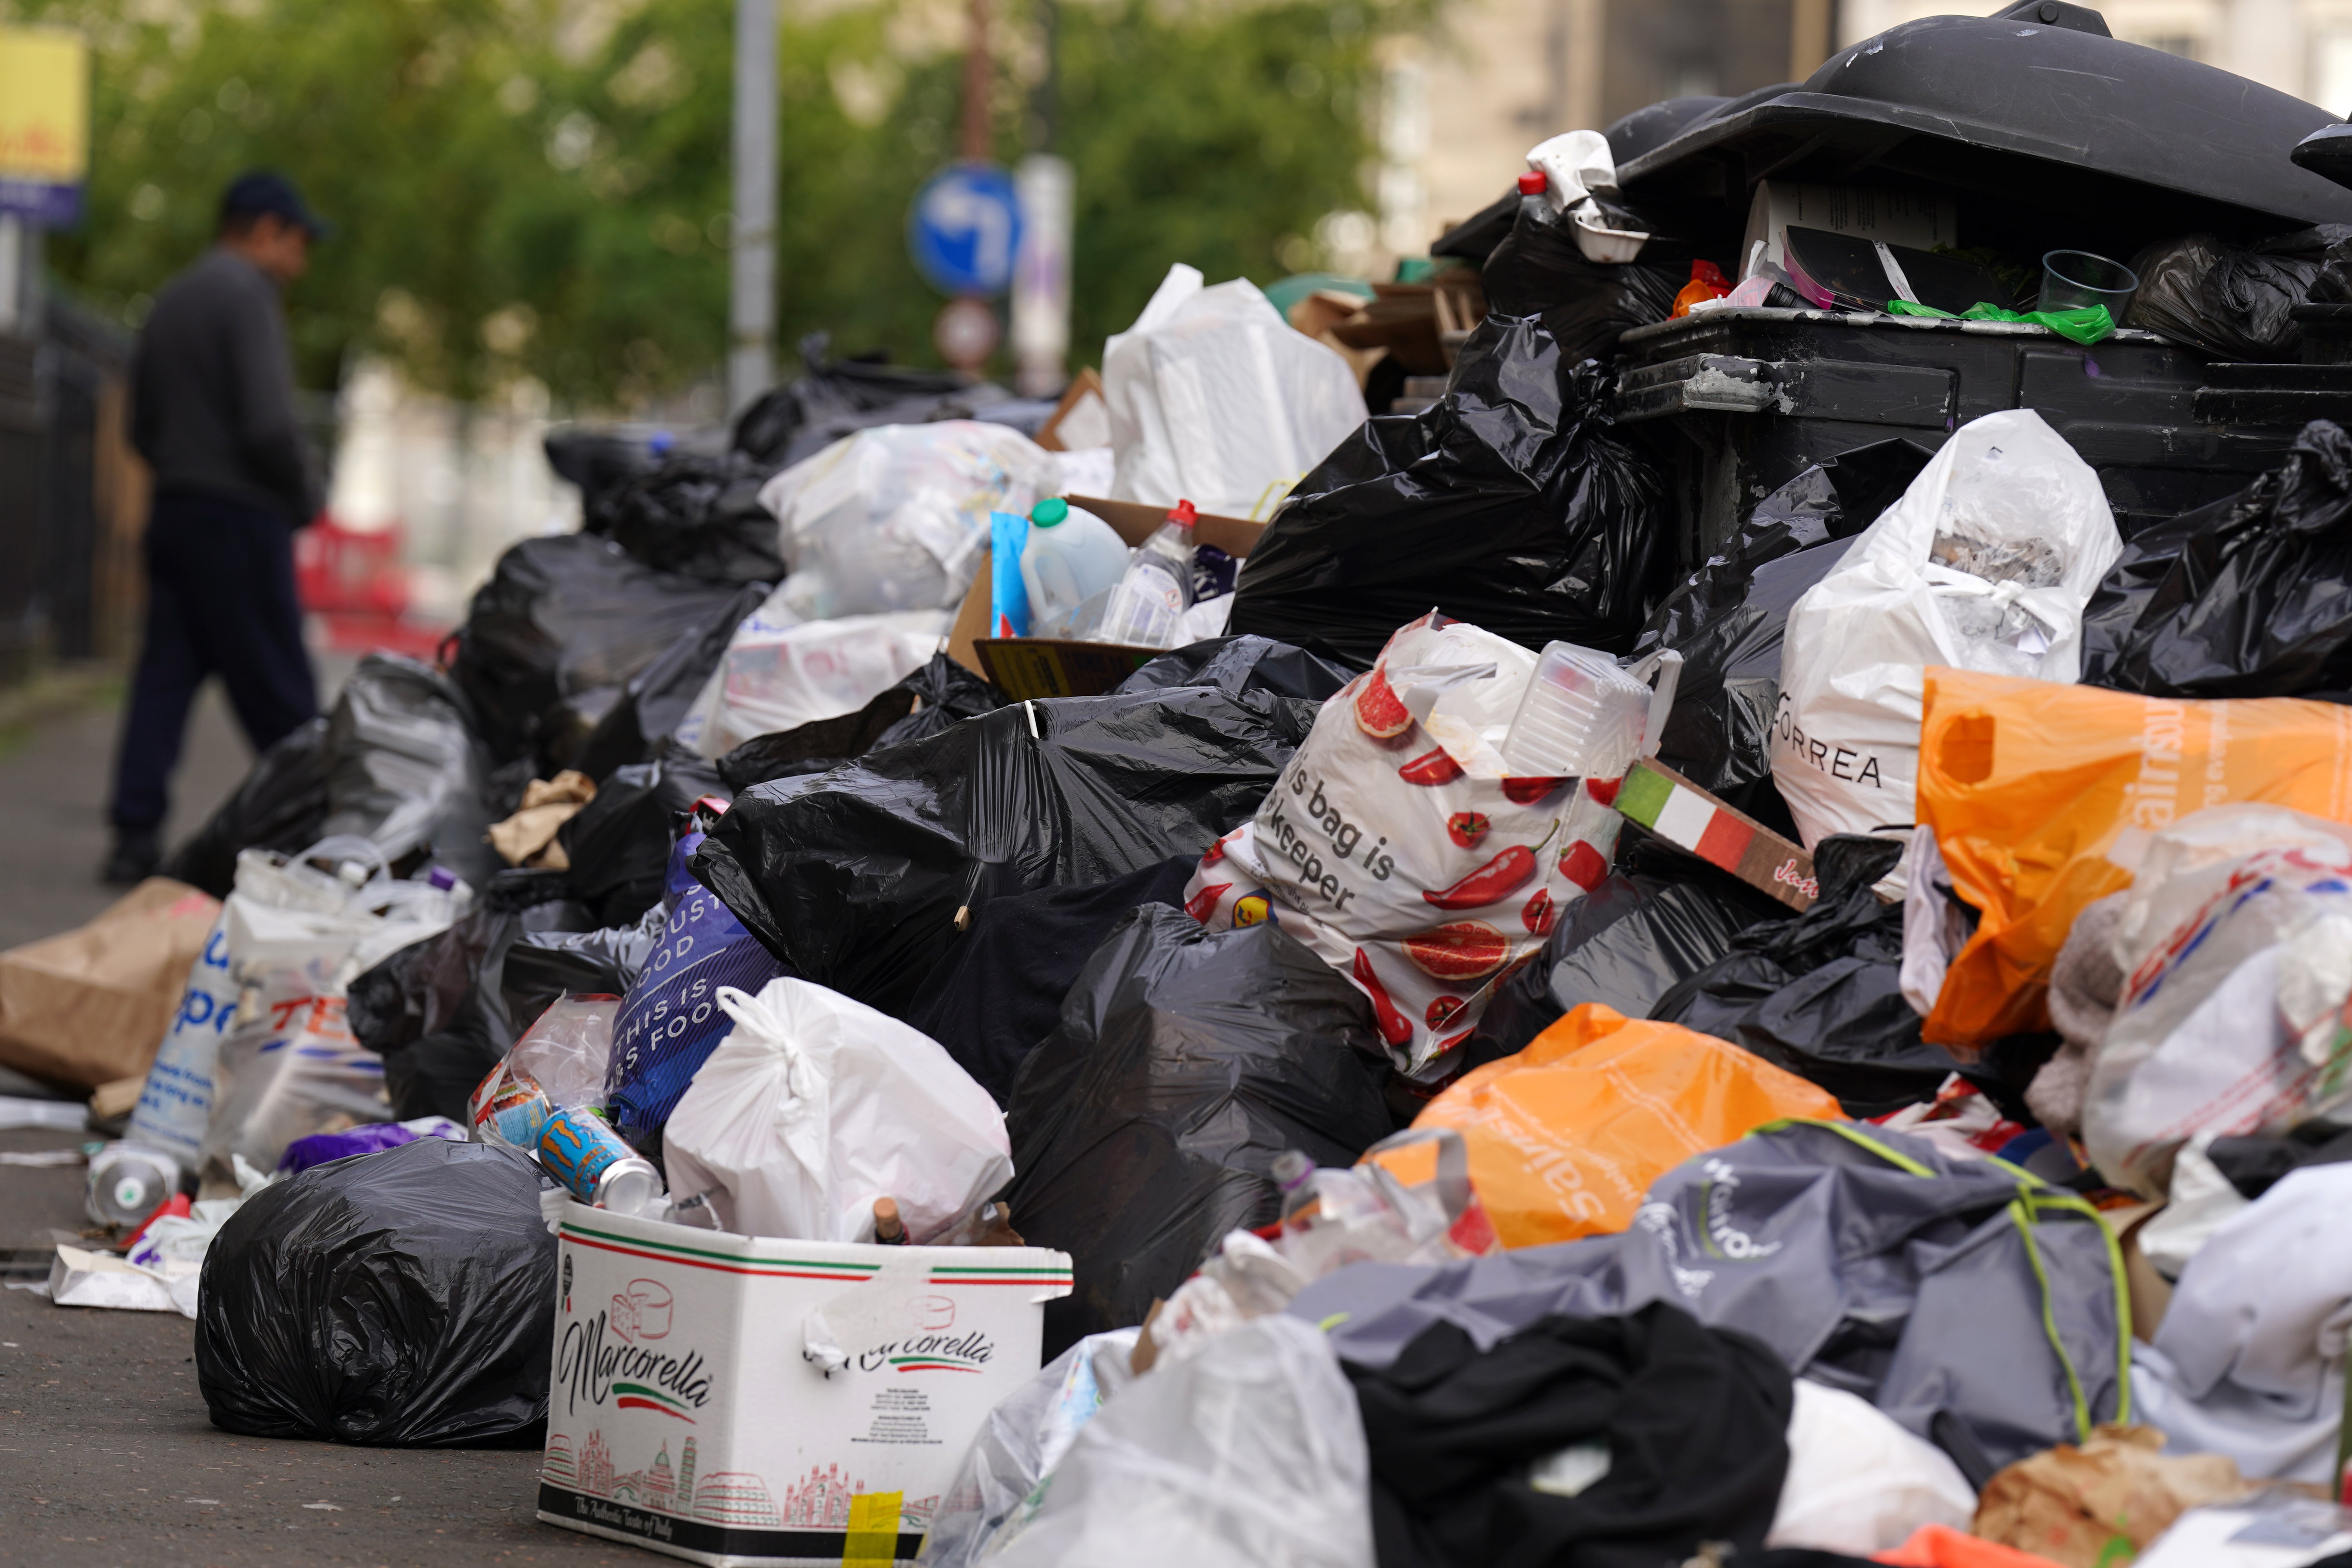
x=281, y=806
x=1693, y=1421
x=1821, y=994
x=618, y=844
x=1239, y=664
x=695, y=514
x=404, y=1298
x=2256, y=601
x=999, y=989
x=2231, y=300
x=437, y=1010
x=855, y=877
x=1661, y=917
x=565, y=622
x=1146, y=1124
x=404, y=769
x=1506, y=504
x=656, y=700
x=1727, y=618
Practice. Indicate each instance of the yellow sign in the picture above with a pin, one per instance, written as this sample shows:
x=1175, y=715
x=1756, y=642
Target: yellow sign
x=44, y=105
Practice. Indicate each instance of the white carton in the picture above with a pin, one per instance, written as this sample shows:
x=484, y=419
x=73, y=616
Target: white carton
x=691, y=1414
x=1891, y=216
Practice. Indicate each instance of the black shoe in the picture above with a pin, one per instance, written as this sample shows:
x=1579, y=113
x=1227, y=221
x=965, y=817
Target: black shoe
x=136, y=854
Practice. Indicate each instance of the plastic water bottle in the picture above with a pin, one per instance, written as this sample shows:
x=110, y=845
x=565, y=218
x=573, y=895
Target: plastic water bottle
x=1071, y=556
x=1151, y=600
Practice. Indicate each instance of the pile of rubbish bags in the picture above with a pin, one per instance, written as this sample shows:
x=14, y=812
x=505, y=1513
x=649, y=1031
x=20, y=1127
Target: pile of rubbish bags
x=1481, y=1035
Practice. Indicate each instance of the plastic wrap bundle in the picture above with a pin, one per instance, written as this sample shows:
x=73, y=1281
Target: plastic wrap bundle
x=893, y=518
x=1214, y=399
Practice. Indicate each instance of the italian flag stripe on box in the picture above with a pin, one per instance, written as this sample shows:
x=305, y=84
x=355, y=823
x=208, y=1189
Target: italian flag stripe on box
x=1690, y=818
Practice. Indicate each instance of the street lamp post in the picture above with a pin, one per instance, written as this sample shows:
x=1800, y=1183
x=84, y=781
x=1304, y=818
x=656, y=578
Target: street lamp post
x=751, y=292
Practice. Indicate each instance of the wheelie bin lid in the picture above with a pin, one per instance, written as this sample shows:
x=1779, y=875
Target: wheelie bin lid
x=2048, y=116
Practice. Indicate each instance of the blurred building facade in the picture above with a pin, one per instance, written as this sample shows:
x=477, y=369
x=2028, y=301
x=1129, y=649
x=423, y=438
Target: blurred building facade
x=1463, y=109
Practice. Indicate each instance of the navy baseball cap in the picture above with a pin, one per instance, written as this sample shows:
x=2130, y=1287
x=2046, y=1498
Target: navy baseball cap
x=266, y=190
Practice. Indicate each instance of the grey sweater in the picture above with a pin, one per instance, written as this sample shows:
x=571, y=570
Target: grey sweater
x=212, y=391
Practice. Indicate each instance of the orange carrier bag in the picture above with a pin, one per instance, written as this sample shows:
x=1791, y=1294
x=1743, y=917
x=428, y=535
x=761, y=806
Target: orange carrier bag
x=2042, y=798
x=1566, y=1137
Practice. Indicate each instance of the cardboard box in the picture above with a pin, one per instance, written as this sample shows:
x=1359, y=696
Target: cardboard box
x=687, y=1416
x=1026, y=667
x=1686, y=817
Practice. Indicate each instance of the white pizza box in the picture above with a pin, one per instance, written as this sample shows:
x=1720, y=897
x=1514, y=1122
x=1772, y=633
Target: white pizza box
x=692, y=1411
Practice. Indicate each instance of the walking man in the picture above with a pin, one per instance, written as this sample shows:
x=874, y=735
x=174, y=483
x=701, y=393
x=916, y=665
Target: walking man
x=212, y=413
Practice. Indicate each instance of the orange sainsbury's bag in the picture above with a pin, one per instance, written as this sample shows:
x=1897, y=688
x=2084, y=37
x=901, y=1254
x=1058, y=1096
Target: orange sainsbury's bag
x=2043, y=797
x=1566, y=1136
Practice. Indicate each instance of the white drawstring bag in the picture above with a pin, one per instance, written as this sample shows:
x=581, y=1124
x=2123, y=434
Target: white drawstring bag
x=1986, y=563
x=814, y=1106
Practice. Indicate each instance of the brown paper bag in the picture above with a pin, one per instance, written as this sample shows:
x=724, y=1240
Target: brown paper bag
x=2104, y=1502
x=92, y=1005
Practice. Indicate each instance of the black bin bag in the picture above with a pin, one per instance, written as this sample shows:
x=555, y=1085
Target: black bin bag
x=1821, y=994
x=1726, y=619
x=1538, y=269
x=558, y=632
x=404, y=1298
x=619, y=843
x=935, y=697
x=405, y=768
x=696, y=514
x=1506, y=504
x=281, y=806
x=999, y=989
x=2231, y=300
x=2250, y=596
x=854, y=877
x=638, y=726
x=1656, y=919
x=1146, y=1124
x=438, y=1012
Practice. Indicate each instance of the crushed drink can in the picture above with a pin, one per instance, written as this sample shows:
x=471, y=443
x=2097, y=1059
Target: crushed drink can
x=588, y=1157
x=508, y=1107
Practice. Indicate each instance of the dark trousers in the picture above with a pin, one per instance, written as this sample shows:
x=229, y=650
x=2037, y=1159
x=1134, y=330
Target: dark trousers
x=220, y=601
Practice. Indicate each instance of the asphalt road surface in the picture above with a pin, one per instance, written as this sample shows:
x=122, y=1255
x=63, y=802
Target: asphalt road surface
x=106, y=1454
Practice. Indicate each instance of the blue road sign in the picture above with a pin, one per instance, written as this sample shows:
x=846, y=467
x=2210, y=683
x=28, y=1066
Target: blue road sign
x=964, y=228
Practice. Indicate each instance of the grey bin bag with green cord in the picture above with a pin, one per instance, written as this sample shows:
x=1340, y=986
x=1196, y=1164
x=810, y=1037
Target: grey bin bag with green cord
x=1981, y=1307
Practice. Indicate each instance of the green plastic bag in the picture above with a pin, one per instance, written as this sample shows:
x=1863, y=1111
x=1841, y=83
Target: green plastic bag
x=2085, y=326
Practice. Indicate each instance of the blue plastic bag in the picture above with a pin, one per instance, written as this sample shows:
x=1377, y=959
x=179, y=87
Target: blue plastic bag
x=670, y=1021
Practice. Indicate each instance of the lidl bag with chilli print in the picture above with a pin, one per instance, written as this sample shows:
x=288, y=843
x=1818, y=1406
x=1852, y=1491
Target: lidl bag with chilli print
x=1397, y=848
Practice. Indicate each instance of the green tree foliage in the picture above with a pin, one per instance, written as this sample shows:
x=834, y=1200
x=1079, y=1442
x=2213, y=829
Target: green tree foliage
x=541, y=186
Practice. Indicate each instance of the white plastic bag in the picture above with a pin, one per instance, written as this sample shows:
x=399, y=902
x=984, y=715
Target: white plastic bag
x=1250, y=1452
x=1985, y=563
x=290, y=1067
x=289, y=930
x=2236, y=979
x=1021, y=1442
x=781, y=671
x=1858, y=1483
x=176, y=1100
x=1397, y=849
x=893, y=518
x=815, y=1105
x=1214, y=398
